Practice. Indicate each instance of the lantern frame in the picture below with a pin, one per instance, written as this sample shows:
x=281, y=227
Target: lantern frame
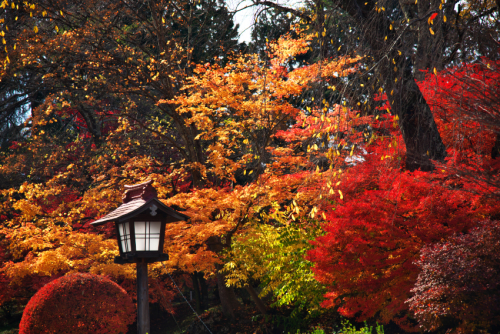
x=133, y=254
x=140, y=204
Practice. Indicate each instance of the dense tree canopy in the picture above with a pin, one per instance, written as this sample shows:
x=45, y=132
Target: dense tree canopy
x=320, y=162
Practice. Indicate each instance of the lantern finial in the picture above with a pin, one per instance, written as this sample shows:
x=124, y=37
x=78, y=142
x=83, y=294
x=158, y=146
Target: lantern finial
x=144, y=191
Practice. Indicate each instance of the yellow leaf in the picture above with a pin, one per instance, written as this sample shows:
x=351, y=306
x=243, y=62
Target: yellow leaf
x=435, y=71
x=444, y=18
x=432, y=31
x=324, y=216
x=163, y=20
x=35, y=29
x=341, y=196
x=250, y=172
x=56, y=28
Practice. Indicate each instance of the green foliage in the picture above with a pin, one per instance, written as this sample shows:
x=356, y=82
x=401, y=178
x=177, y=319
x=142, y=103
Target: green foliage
x=274, y=255
x=348, y=328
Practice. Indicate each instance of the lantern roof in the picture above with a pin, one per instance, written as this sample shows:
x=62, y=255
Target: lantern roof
x=137, y=199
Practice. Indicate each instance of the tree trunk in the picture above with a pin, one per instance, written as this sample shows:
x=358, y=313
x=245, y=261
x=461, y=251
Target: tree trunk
x=196, y=289
x=229, y=303
x=420, y=134
x=255, y=297
x=203, y=290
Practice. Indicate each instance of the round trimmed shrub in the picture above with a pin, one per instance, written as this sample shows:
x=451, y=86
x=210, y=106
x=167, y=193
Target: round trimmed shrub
x=78, y=303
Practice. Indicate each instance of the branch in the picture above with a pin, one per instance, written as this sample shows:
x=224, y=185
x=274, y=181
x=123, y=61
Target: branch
x=285, y=9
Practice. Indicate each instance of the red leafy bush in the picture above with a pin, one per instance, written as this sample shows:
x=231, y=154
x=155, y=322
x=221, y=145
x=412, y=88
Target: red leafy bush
x=459, y=285
x=373, y=238
x=465, y=101
x=78, y=303
x=375, y=234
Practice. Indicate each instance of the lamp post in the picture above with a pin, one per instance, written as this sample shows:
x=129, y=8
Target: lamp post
x=140, y=228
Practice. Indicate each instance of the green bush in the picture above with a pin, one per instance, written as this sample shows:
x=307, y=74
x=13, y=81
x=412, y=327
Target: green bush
x=348, y=328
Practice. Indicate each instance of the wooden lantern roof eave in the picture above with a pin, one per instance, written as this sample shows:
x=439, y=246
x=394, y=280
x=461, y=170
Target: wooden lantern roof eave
x=136, y=207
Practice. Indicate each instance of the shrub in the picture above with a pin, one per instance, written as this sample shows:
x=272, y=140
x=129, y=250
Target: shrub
x=78, y=303
x=459, y=285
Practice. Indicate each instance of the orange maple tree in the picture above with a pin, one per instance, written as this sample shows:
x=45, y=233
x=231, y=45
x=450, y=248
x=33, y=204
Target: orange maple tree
x=219, y=133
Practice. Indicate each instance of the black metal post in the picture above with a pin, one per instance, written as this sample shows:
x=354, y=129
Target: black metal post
x=142, y=298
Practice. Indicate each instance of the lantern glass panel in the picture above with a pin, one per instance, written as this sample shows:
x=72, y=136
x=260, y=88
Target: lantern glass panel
x=124, y=234
x=147, y=236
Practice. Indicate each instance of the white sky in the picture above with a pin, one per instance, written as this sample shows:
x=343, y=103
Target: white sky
x=246, y=17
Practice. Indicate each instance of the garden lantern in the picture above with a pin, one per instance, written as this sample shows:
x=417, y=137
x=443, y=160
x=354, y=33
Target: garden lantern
x=140, y=228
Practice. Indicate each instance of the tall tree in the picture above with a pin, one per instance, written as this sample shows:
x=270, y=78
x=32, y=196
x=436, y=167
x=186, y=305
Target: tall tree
x=402, y=38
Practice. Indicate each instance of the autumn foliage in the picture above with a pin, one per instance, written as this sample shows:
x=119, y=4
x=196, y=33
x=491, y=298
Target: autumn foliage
x=78, y=303
x=458, y=283
x=289, y=180
x=374, y=237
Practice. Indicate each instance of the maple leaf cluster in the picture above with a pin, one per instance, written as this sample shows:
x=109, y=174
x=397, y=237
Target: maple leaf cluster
x=380, y=237
x=458, y=281
x=240, y=146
